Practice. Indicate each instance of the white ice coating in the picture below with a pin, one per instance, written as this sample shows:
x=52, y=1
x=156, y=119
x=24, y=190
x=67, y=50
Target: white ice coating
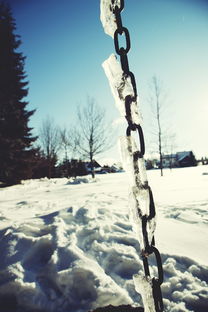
x=107, y=17
x=142, y=170
x=142, y=198
x=128, y=147
x=143, y=286
x=121, y=86
x=139, y=202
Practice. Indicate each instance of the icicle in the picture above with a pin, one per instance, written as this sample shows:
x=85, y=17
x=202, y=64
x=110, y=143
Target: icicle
x=107, y=17
x=121, y=86
x=143, y=286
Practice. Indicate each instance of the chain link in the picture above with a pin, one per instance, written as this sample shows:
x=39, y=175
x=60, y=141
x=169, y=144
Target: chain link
x=122, y=50
x=149, y=247
x=133, y=127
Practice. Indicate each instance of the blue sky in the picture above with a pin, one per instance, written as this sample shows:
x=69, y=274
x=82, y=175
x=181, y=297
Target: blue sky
x=65, y=46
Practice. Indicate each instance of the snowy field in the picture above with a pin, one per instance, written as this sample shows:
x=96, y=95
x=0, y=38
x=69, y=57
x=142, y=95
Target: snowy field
x=69, y=246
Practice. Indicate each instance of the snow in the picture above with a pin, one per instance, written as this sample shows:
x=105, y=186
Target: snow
x=69, y=245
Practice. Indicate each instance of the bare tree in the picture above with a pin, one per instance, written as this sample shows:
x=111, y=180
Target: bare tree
x=157, y=100
x=68, y=141
x=50, y=142
x=92, y=135
x=170, y=147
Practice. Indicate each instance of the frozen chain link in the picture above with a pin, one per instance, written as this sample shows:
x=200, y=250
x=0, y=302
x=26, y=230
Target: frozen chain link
x=107, y=17
x=123, y=86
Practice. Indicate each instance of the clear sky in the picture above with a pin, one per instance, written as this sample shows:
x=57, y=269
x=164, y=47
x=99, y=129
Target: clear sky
x=65, y=46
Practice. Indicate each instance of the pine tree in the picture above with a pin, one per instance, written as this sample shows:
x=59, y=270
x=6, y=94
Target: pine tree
x=15, y=134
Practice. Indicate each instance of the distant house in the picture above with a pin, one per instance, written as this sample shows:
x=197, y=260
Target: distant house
x=180, y=159
x=97, y=167
x=112, y=169
x=186, y=159
x=169, y=161
x=116, y=168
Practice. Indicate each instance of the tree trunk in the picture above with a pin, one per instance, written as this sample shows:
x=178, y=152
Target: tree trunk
x=92, y=166
x=160, y=152
x=49, y=168
x=159, y=134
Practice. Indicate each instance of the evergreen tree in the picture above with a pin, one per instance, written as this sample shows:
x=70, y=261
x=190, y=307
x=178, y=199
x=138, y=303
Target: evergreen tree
x=40, y=164
x=15, y=134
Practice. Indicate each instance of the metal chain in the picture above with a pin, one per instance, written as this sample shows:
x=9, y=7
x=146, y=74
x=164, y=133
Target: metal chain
x=149, y=247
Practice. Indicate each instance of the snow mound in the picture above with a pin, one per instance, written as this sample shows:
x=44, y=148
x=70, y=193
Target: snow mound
x=61, y=264
x=81, y=180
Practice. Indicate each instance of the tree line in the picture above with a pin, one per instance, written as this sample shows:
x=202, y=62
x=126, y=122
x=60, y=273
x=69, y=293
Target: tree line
x=23, y=155
x=72, y=147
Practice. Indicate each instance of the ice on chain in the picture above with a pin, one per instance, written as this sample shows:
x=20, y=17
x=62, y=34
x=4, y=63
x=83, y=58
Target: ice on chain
x=139, y=203
x=143, y=286
x=107, y=17
x=121, y=87
x=128, y=147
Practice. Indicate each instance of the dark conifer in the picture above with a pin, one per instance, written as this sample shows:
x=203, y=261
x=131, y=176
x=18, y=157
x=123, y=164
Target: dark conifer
x=15, y=134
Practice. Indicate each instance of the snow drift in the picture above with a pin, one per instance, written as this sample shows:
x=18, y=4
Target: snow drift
x=69, y=246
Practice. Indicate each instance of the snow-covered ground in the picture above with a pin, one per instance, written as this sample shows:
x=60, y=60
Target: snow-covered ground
x=68, y=246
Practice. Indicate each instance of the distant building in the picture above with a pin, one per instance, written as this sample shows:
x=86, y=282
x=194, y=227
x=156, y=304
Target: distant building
x=75, y=167
x=186, y=159
x=180, y=159
x=97, y=167
x=169, y=161
x=112, y=169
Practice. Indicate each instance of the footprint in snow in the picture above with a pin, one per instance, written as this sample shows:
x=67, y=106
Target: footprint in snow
x=39, y=255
